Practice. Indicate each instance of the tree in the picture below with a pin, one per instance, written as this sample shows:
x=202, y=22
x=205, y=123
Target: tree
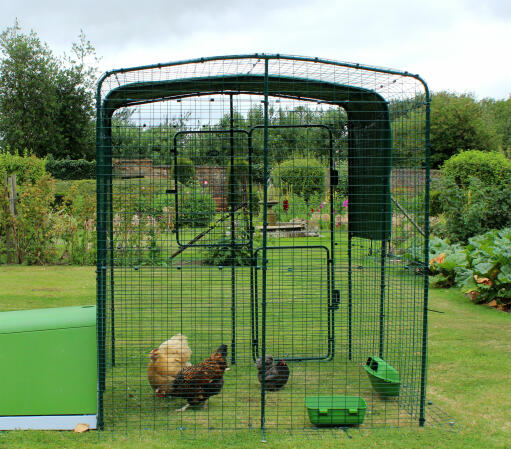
x=75, y=83
x=28, y=97
x=499, y=112
x=46, y=103
x=458, y=122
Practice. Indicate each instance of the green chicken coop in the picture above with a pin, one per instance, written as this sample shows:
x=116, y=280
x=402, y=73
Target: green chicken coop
x=48, y=378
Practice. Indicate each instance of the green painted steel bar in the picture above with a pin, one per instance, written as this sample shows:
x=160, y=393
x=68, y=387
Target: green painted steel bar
x=111, y=258
x=334, y=296
x=422, y=405
x=266, y=57
x=253, y=305
x=233, y=237
x=101, y=256
x=265, y=255
x=350, y=297
x=383, y=258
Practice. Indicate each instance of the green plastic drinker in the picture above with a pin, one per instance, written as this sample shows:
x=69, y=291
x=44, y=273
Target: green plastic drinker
x=384, y=378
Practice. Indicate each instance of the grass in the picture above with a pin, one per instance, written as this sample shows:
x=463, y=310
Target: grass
x=468, y=378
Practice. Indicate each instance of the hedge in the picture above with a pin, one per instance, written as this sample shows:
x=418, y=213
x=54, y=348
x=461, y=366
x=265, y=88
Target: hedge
x=71, y=168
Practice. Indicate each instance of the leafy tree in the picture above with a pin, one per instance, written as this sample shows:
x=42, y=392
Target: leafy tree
x=458, y=123
x=28, y=97
x=46, y=103
x=499, y=112
x=75, y=84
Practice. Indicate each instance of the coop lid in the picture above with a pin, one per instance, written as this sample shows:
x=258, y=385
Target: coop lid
x=47, y=319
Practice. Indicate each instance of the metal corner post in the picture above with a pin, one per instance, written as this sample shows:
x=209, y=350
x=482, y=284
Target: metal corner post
x=101, y=255
x=422, y=417
x=265, y=244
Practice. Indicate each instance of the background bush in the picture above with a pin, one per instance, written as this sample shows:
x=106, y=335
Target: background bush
x=482, y=268
x=490, y=168
x=301, y=176
x=475, y=195
x=27, y=168
x=196, y=206
x=342, y=186
x=184, y=170
x=238, y=177
x=71, y=169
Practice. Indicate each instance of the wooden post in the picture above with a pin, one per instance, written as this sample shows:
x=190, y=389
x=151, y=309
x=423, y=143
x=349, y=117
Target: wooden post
x=10, y=232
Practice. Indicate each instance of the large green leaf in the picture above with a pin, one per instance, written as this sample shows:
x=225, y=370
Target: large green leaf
x=485, y=268
x=454, y=260
x=504, y=275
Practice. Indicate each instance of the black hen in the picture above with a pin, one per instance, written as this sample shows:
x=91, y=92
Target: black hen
x=197, y=383
x=276, y=373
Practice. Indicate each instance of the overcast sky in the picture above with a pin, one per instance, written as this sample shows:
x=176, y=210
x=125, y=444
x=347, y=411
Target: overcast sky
x=456, y=45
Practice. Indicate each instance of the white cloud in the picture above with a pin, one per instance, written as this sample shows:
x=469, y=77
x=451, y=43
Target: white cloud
x=458, y=45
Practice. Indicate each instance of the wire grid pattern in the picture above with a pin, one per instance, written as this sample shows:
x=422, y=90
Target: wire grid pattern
x=201, y=234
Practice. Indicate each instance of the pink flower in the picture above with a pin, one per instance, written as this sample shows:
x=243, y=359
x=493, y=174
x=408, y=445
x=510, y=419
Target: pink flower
x=345, y=204
x=321, y=206
x=205, y=182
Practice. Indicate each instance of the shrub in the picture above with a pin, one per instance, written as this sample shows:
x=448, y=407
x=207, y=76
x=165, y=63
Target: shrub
x=238, y=178
x=342, y=186
x=301, y=176
x=475, y=209
x=297, y=208
x=77, y=226
x=71, y=168
x=196, y=206
x=136, y=240
x=444, y=260
x=27, y=168
x=32, y=229
x=490, y=168
x=222, y=254
x=475, y=194
x=436, y=206
x=488, y=275
x=184, y=170
x=482, y=268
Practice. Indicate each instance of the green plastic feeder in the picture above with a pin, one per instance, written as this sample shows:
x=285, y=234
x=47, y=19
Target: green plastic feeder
x=336, y=410
x=384, y=378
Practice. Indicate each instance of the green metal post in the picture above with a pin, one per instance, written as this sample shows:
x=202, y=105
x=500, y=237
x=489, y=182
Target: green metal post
x=233, y=238
x=109, y=198
x=253, y=260
x=422, y=414
x=350, y=297
x=265, y=244
x=331, y=286
x=101, y=254
x=383, y=257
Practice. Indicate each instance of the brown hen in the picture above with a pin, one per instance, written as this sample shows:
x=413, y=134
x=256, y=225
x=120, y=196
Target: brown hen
x=198, y=383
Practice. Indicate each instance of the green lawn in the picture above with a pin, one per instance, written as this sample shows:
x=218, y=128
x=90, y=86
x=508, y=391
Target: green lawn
x=469, y=360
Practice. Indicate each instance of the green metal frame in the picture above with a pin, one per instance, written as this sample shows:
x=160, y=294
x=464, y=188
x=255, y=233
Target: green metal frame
x=352, y=99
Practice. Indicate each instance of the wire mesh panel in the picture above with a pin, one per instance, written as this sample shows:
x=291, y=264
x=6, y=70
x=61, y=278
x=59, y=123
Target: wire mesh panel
x=262, y=241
